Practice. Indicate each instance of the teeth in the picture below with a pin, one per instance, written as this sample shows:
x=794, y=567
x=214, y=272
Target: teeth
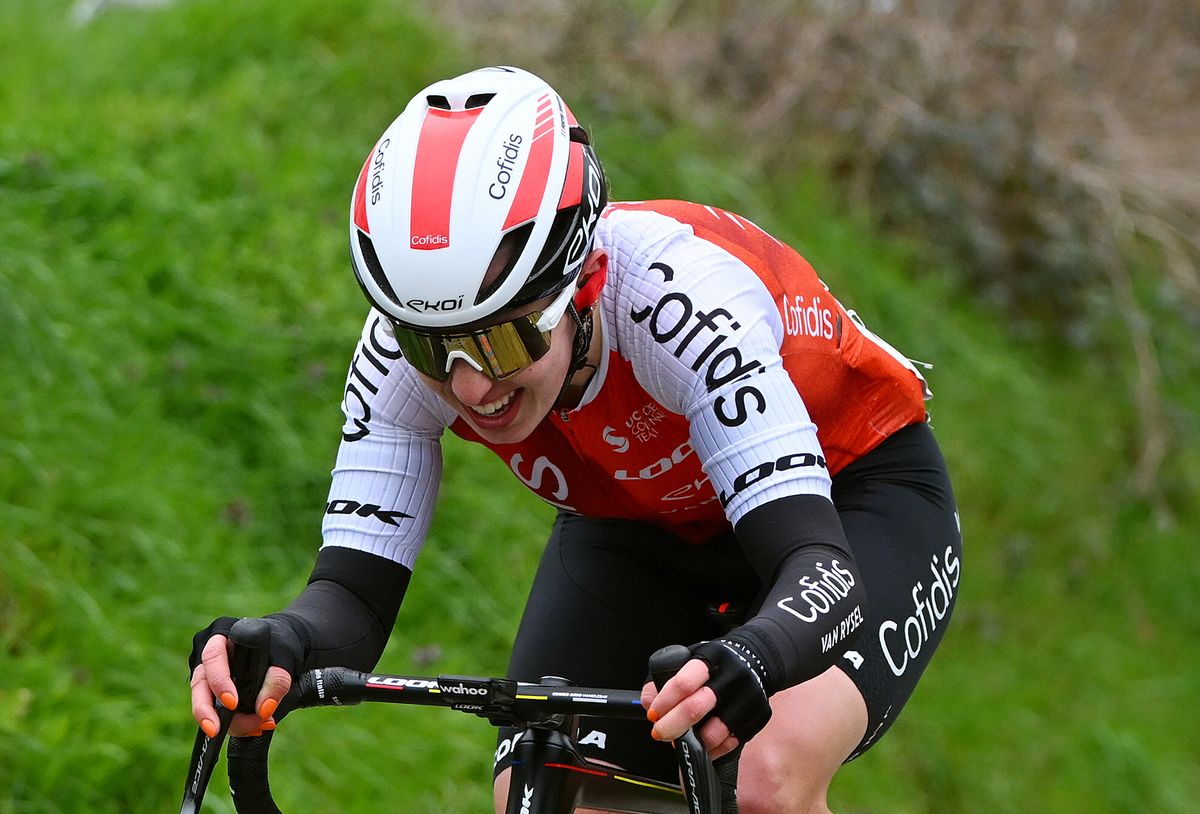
x=494, y=407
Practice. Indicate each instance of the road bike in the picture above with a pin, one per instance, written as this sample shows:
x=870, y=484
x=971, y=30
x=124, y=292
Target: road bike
x=549, y=774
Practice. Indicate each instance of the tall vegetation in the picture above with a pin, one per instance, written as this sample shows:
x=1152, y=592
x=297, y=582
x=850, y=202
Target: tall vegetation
x=176, y=315
x=1043, y=151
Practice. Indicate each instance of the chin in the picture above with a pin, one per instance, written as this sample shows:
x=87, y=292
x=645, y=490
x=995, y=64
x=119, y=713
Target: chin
x=508, y=435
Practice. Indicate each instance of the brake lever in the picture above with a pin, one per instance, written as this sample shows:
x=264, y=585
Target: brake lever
x=251, y=656
x=700, y=785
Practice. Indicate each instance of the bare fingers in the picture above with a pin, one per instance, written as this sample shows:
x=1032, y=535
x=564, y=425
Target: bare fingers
x=683, y=702
x=211, y=679
x=716, y=738
x=275, y=686
x=203, y=710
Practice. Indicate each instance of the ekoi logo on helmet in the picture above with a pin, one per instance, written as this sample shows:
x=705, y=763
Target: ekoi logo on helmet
x=592, y=203
x=440, y=305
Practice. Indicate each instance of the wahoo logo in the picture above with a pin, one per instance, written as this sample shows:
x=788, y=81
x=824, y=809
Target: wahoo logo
x=527, y=800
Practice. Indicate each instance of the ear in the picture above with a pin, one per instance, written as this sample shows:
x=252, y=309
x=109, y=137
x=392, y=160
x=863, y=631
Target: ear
x=591, y=279
x=596, y=261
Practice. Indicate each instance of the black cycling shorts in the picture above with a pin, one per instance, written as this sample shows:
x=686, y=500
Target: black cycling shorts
x=608, y=593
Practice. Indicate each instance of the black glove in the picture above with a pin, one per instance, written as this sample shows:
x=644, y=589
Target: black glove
x=287, y=650
x=738, y=678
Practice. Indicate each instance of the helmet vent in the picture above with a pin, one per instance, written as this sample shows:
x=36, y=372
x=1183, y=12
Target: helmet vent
x=367, y=247
x=440, y=102
x=479, y=100
x=552, y=261
x=579, y=135
x=512, y=245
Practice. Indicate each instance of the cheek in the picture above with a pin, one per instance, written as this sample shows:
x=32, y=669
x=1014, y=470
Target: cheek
x=560, y=348
x=543, y=373
x=549, y=371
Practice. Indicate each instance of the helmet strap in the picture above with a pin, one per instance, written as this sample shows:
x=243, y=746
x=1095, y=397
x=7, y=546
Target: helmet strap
x=580, y=345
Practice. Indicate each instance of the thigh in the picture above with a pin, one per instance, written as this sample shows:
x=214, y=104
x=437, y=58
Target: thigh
x=814, y=727
x=605, y=598
x=900, y=519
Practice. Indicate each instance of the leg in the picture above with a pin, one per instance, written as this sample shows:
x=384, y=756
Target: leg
x=500, y=790
x=788, y=766
x=897, y=509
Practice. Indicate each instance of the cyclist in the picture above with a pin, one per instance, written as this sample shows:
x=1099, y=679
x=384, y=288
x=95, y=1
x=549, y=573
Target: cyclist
x=716, y=430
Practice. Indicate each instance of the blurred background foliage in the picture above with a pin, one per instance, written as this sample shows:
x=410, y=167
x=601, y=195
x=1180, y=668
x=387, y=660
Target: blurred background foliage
x=1009, y=190
x=1045, y=151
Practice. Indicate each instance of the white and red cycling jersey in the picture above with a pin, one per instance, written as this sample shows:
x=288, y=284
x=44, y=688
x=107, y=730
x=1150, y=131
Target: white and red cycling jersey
x=730, y=376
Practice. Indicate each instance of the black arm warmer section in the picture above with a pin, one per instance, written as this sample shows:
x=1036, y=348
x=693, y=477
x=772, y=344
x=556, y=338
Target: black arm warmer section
x=816, y=599
x=346, y=613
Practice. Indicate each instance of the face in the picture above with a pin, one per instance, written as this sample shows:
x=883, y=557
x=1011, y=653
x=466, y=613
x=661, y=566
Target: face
x=506, y=411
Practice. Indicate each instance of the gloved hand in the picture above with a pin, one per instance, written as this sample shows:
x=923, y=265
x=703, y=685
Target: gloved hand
x=737, y=678
x=721, y=690
x=211, y=679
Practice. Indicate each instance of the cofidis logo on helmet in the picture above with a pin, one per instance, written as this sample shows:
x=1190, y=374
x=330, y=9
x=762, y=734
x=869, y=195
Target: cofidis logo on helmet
x=510, y=151
x=377, y=165
x=429, y=241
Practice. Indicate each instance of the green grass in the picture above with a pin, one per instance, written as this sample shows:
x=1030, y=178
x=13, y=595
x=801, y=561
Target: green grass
x=176, y=314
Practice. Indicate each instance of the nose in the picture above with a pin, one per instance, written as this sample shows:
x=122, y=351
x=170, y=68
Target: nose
x=469, y=386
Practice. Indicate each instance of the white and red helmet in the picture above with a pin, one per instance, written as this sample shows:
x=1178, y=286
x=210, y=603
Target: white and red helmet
x=493, y=155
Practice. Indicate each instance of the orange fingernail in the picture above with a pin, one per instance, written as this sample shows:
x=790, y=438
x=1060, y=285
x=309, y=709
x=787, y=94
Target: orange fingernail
x=652, y=715
x=267, y=708
x=228, y=701
x=269, y=725
x=209, y=727
x=654, y=734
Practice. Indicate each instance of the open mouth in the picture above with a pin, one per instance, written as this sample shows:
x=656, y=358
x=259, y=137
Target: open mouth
x=497, y=410
x=495, y=406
